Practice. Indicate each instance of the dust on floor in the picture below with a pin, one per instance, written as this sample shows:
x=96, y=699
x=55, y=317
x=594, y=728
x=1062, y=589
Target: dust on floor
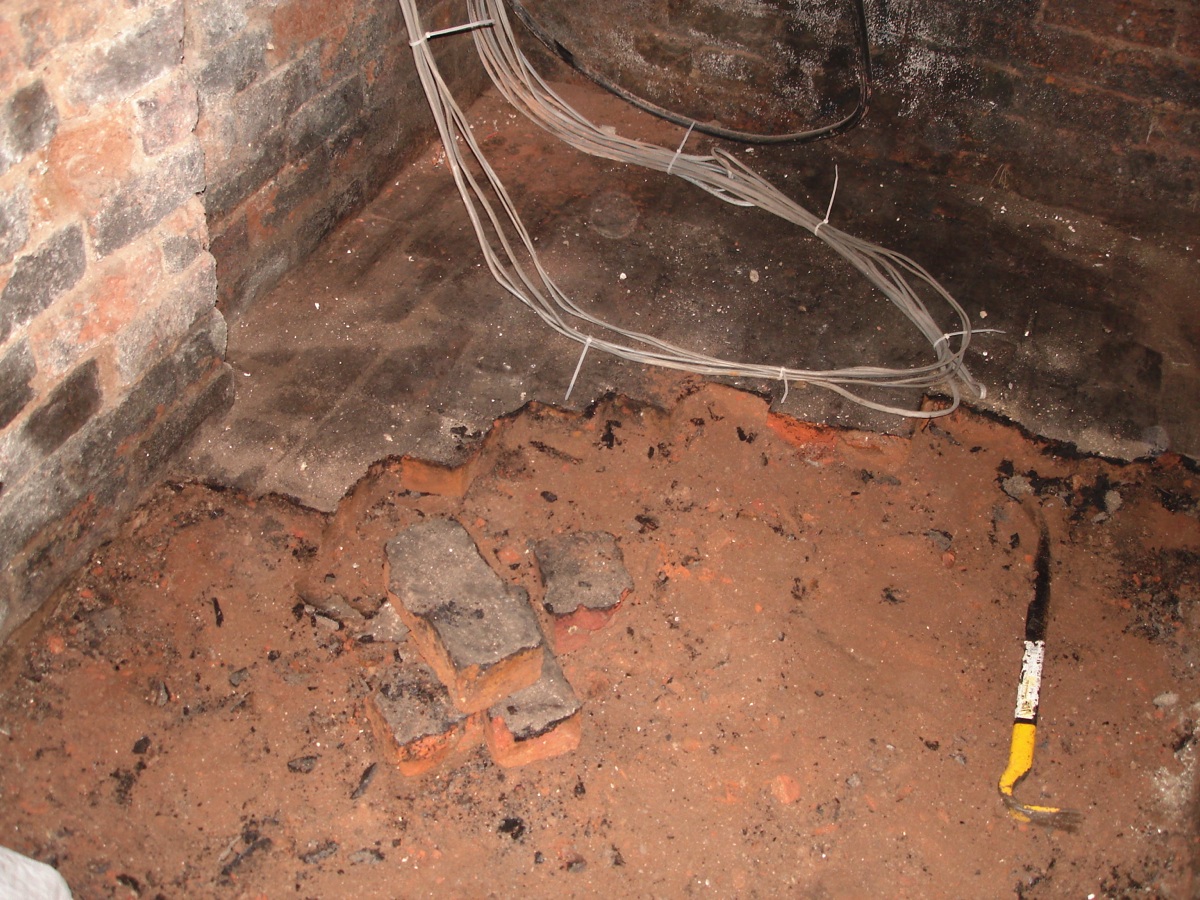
x=808, y=693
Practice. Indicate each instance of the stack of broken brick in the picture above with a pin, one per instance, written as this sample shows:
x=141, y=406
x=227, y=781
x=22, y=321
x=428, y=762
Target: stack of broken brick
x=483, y=668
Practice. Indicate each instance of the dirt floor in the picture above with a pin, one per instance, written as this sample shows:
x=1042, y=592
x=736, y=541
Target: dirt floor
x=809, y=692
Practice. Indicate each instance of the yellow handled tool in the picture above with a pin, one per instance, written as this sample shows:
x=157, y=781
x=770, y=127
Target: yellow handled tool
x=1024, y=733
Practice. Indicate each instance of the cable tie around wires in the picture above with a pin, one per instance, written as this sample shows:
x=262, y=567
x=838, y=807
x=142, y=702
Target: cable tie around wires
x=829, y=208
x=675, y=158
x=950, y=334
x=783, y=378
x=454, y=29
x=587, y=345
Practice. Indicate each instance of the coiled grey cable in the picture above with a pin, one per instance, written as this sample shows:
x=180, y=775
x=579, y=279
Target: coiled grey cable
x=494, y=217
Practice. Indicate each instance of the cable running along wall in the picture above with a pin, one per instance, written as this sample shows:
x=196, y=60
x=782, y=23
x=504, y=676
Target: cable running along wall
x=500, y=230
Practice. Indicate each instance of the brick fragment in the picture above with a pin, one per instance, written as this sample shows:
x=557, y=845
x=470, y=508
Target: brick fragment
x=539, y=722
x=412, y=717
x=586, y=580
x=814, y=442
x=479, y=633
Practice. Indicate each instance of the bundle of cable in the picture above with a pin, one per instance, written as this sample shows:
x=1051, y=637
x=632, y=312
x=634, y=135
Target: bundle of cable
x=500, y=231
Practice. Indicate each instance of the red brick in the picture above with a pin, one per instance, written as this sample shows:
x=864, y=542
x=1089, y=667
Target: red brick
x=300, y=22
x=814, y=442
x=414, y=721
x=1149, y=22
x=10, y=50
x=537, y=723
x=430, y=478
x=477, y=632
x=53, y=23
x=89, y=160
x=168, y=114
x=585, y=580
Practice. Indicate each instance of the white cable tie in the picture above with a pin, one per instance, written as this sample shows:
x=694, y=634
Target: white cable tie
x=783, y=378
x=453, y=30
x=674, y=158
x=950, y=334
x=579, y=365
x=829, y=208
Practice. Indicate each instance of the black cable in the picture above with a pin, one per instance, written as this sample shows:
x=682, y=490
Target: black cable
x=864, y=87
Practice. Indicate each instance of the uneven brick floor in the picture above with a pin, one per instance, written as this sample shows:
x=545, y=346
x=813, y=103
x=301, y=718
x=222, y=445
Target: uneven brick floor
x=393, y=338
x=807, y=693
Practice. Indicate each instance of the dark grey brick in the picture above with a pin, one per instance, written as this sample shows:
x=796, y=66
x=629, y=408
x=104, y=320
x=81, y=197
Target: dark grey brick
x=14, y=222
x=28, y=120
x=232, y=185
x=235, y=65
x=321, y=119
x=171, y=433
x=168, y=379
x=582, y=569
x=17, y=368
x=40, y=277
x=55, y=515
x=212, y=22
x=67, y=409
x=133, y=59
x=143, y=203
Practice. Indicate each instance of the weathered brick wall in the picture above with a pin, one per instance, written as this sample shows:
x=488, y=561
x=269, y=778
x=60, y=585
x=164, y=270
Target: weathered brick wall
x=1089, y=104
x=306, y=109
x=130, y=133
x=110, y=345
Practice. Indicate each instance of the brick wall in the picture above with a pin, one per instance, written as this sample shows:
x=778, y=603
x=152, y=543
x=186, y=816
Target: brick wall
x=163, y=162
x=305, y=110
x=110, y=346
x=1088, y=104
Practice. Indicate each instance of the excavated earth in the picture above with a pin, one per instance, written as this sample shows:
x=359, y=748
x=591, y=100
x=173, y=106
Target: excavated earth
x=809, y=691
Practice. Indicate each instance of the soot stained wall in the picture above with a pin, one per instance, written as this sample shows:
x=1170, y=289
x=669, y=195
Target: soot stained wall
x=305, y=110
x=1086, y=104
x=163, y=162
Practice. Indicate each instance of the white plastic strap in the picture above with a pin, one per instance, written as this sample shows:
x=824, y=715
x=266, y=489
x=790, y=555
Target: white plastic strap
x=679, y=150
x=455, y=29
x=587, y=345
x=829, y=208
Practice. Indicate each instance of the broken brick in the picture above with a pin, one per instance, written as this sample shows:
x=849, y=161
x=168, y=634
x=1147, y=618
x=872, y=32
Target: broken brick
x=586, y=580
x=412, y=716
x=815, y=442
x=478, y=633
x=540, y=722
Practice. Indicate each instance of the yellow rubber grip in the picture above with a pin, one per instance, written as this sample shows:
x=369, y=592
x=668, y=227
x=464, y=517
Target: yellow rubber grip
x=1020, y=756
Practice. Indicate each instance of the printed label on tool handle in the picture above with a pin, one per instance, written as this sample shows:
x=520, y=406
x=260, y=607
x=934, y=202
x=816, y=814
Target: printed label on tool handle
x=1031, y=681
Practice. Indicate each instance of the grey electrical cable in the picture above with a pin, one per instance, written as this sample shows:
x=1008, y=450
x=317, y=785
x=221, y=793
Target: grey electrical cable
x=861, y=40
x=493, y=215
